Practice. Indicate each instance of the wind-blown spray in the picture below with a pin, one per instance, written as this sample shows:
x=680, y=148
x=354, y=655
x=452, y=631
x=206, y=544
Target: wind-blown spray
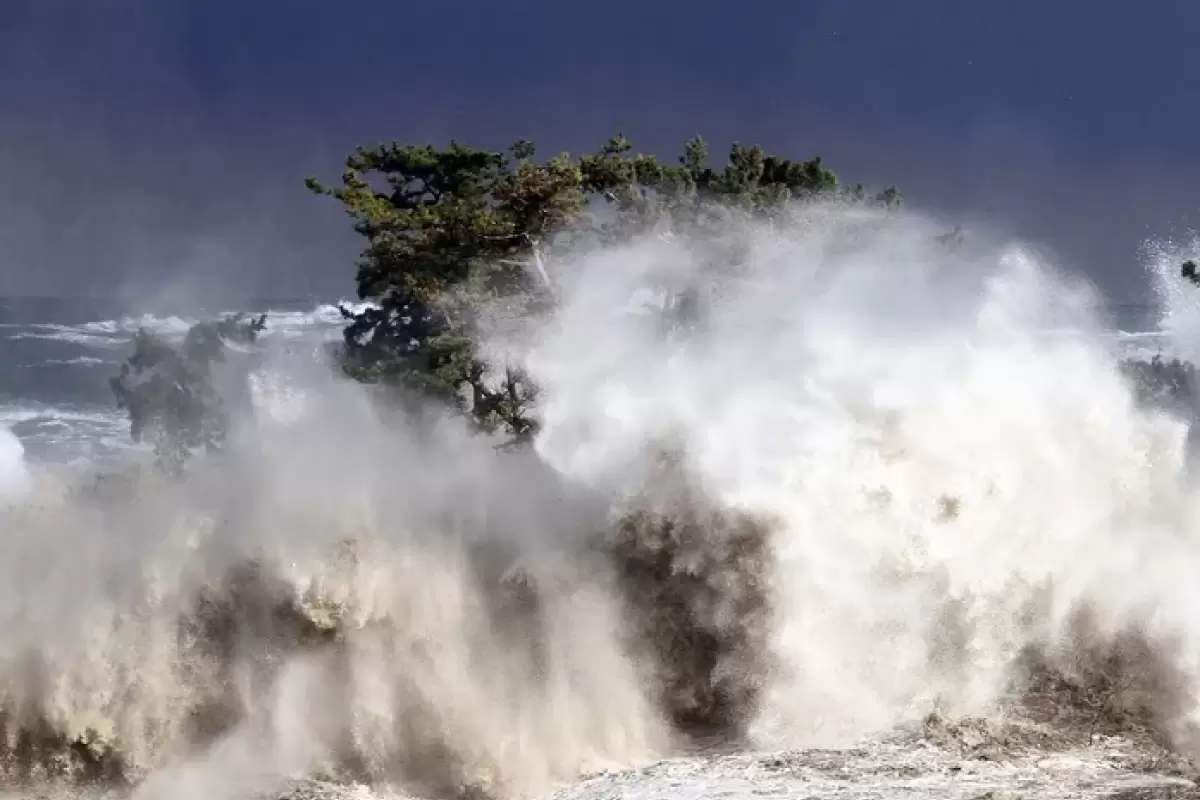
x=14, y=474
x=864, y=482
x=946, y=459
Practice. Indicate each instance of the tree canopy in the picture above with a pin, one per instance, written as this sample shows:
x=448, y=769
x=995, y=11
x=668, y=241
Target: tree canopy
x=450, y=229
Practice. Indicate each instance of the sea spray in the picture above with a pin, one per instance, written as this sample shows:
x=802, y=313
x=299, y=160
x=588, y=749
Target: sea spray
x=15, y=480
x=864, y=480
x=375, y=576
x=1177, y=299
x=950, y=457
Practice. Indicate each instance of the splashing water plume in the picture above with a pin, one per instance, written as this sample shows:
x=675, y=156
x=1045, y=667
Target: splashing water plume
x=950, y=461
x=14, y=475
x=870, y=480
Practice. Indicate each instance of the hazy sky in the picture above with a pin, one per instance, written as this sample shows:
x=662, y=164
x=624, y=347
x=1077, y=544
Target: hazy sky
x=145, y=140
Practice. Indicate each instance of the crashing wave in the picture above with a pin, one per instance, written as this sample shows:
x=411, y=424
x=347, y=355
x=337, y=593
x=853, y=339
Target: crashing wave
x=874, y=488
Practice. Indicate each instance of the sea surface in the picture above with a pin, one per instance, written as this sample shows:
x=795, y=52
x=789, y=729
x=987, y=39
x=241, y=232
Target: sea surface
x=57, y=356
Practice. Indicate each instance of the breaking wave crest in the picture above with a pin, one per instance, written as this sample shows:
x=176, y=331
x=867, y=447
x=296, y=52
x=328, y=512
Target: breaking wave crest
x=875, y=479
x=322, y=320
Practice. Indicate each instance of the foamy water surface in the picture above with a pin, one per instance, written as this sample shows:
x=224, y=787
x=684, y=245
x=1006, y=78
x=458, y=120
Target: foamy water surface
x=57, y=356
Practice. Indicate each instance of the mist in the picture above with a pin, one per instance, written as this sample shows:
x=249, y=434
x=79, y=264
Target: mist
x=14, y=475
x=870, y=479
x=950, y=463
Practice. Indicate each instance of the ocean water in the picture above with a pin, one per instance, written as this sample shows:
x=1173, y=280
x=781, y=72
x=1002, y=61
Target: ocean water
x=57, y=356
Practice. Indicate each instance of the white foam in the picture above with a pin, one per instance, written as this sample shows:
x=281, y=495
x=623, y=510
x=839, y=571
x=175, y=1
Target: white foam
x=931, y=445
x=938, y=443
x=81, y=361
x=15, y=480
x=324, y=320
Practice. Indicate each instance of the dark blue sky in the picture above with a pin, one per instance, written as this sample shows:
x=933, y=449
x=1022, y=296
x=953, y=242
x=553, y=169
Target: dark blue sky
x=142, y=141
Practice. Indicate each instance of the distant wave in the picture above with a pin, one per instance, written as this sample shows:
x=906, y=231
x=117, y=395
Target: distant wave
x=15, y=415
x=30, y=421
x=74, y=434
x=81, y=361
x=115, y=333
x=65, y=333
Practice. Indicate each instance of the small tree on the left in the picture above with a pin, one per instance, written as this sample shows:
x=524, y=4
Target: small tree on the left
x=169, y=391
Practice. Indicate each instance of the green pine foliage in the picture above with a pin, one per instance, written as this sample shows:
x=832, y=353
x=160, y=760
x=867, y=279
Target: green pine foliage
x=450, y=230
